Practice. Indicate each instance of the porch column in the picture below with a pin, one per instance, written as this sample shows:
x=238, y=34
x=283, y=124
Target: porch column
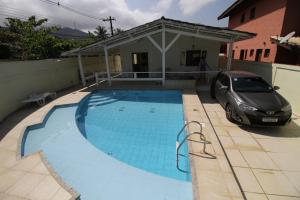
x=229, y=56
x=107, y=66
x=81, y=70
x=163, y=55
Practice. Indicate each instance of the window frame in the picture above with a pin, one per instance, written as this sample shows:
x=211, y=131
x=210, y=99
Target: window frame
x=242, y=19
x=242, y=54
x=189, y=55
x=251, y=53
x=252, y=13
x=267, y=53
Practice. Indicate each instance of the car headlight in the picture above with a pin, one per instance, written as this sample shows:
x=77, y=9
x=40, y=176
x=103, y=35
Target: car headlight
x=245, y=107
x=287, y=108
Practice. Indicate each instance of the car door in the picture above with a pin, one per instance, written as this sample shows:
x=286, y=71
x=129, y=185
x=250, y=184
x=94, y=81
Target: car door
x=222, y=87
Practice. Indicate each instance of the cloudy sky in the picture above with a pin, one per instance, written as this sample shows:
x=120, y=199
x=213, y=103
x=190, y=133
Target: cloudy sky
x=128, y=13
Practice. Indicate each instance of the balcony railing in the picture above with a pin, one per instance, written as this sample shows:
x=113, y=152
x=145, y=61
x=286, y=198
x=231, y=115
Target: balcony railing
x=205, y=76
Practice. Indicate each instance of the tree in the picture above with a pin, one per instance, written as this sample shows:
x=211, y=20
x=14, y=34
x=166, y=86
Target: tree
x=118, y=30
x=101, y=32
x=30, y=39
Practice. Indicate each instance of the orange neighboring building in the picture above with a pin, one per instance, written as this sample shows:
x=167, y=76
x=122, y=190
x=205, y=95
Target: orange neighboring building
x=266, y=18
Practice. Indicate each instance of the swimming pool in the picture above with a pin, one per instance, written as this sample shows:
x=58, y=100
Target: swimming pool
x=121, y=142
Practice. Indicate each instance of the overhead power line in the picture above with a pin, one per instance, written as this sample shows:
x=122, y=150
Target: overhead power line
x=71, y=9
x=18, y=13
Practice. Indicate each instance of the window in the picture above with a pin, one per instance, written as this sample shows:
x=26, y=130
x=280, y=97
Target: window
x=242, y=54
x=251, y=52
x=267, y=53
x=135, y=62
x=183, y=58
x=250, y=84
x=140, y=63
x=233, y=51
x=258, y=55
x=252, y=13
x=246, y=52
x=193, y=57
x=243, y=18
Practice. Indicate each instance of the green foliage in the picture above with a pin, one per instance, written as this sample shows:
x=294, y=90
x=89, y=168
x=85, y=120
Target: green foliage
x=101, y=33
x=29, y=40
x=118, y=30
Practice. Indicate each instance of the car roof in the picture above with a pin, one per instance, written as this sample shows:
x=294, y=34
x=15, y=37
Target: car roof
x=235, y=74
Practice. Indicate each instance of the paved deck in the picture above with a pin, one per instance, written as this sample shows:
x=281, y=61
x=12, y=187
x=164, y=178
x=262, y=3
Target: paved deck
x=265, y=160
x=31, y=177
x=212, y=177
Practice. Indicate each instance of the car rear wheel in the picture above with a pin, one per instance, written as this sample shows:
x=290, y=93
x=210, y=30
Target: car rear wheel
x=229, y=112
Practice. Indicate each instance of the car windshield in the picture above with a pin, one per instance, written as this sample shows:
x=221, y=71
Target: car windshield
x=250, y=84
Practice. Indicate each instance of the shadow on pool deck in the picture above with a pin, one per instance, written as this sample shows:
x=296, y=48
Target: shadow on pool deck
x=20, y=114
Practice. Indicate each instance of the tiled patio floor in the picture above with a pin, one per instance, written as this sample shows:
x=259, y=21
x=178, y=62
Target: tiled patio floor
x=265, y=160
x=212, y=177
x=30, y=177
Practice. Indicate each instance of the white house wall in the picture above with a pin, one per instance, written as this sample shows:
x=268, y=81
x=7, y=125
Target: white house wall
x=141, y=45
x=173, y=55
x=97, y=64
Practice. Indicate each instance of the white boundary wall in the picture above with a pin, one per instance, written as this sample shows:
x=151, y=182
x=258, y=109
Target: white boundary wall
x=287, y=77
x=18, y=79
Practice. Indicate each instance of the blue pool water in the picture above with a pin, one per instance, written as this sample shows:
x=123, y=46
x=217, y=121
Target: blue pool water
x=137, y=127
x=116, y=144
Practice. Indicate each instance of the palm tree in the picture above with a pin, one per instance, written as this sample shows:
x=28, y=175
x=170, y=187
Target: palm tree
x=118, y=30
x=101, y=32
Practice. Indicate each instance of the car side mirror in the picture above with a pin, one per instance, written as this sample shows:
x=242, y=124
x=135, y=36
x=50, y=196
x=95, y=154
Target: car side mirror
x=224, y=87
x=276, y=87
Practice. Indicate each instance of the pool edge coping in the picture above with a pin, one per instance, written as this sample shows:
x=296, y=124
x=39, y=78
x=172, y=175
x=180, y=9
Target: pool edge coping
x=43, y=119
x=75, y=195
x=192, y=163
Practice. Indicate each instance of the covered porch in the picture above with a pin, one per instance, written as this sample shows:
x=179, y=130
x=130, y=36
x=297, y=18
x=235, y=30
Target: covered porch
x=164, y=50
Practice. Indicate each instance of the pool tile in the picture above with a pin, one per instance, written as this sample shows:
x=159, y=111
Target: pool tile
x=8, y=158
x=45, y=190
x=286, y=161
x=246, y=143
x=255, y=196
x=278, y=197
x=25, y=185
x=40, y=169
x=294, y=178
x=275, y=182
x=61, y=194
x=248, y=180
x=28, y=163
x=236, y=158
x=9, y=178
x=259, y=159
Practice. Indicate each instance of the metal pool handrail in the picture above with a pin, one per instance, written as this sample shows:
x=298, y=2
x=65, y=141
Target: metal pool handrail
x=202, y=138
x=187, y=124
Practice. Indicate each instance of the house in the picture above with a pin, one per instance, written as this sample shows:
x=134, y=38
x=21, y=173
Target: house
x=161, y=50
x=266, y=18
